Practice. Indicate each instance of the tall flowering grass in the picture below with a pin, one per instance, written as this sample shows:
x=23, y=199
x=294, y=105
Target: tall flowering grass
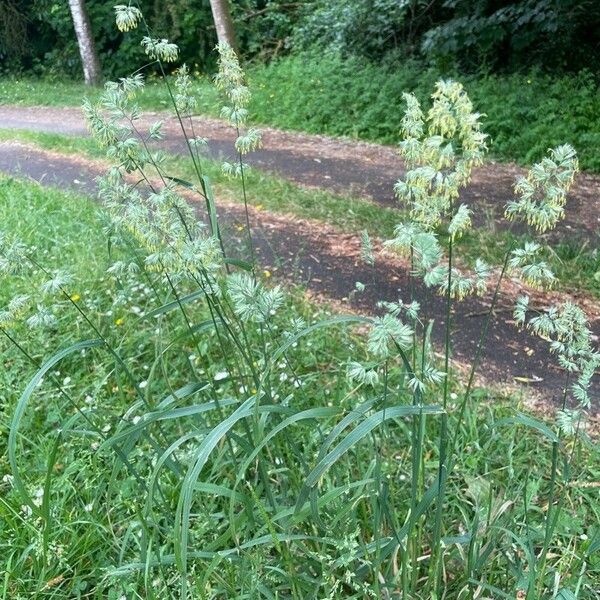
x=255, y=473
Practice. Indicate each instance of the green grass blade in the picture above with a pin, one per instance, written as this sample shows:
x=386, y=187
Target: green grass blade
x=22, y=405
x=355, y=436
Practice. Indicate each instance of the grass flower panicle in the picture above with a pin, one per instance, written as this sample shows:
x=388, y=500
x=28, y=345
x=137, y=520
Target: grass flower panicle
x=127, y=17
x=160, y=49
x=543, y=192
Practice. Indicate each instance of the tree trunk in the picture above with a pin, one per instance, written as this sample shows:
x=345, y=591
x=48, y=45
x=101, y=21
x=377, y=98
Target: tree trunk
x=85, y=41
x=223, y=22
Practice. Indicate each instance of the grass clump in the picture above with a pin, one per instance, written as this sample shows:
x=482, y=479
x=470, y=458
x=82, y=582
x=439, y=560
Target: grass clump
x=92, y=521
x=223, y=440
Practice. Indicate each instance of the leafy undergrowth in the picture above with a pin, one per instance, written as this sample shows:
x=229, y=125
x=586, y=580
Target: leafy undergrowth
x=94, y=531
x=577, y=266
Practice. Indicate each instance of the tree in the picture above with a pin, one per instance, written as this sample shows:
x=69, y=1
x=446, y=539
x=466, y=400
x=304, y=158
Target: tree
x=223, y=22
x=85, y=41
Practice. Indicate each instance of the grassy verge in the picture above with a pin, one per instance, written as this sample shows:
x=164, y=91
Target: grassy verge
x=525, y=114
x=577, y=266
x=86, y=537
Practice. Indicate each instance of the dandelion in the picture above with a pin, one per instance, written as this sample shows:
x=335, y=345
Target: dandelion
x=119, y=322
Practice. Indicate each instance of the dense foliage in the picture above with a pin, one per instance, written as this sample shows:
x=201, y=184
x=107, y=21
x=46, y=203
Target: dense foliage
x=197, y=432
x=498, y=35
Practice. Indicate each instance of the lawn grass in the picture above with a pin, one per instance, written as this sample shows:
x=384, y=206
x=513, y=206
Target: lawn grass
x=90, y=542
x=38, y=92
x=576, y=266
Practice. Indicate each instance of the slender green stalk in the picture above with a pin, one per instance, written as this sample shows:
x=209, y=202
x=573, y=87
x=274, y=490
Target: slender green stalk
x=552, y=514
x=478, y=354
x=436, y=549
x=245, y=197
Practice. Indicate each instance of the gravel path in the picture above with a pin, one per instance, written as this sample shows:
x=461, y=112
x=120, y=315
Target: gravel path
x=328, y=263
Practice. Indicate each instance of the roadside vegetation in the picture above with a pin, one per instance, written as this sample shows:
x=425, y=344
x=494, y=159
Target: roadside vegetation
x=576, y=263
x=525, y=114
x=179, y=425
x=176, y=423
x=82, y=540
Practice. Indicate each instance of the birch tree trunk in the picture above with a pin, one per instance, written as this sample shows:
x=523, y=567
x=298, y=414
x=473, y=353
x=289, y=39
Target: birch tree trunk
x=223, y=22
x=85, y=41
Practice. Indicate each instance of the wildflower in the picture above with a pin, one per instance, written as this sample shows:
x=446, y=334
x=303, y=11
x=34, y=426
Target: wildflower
x=119, y=322
x=75, y=297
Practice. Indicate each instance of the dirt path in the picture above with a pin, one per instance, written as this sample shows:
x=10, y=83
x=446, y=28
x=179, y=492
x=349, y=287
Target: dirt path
x=360, y=168
x=328, y=263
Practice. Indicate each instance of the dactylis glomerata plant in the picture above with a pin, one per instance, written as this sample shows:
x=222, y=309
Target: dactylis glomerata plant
x=440, y=148
x=223, y=480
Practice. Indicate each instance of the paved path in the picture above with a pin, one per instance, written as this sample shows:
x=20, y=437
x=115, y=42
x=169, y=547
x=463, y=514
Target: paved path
x=362, y=169
x=328, y=263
